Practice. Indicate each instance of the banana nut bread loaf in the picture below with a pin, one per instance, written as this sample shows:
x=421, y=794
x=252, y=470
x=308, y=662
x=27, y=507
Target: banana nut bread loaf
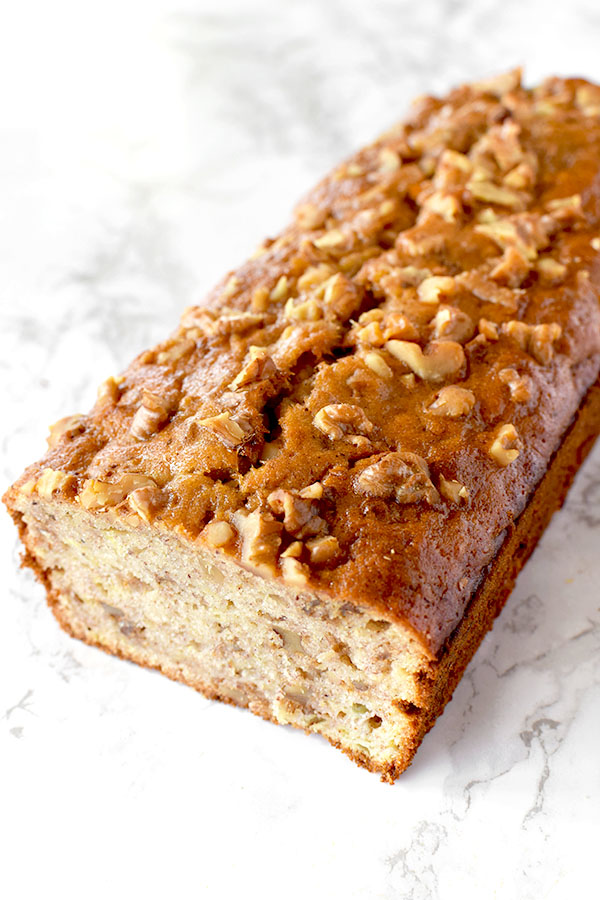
x=314, y=497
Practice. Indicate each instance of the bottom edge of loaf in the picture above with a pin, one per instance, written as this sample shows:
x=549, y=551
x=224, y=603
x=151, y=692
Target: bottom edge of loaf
x=435, y=681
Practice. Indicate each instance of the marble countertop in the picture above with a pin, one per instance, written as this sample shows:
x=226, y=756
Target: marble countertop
x=145, y=148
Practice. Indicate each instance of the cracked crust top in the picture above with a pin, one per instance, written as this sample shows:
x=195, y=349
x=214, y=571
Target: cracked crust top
x=366, y=404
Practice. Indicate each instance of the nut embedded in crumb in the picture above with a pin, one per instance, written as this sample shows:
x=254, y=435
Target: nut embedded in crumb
x=453, y=401
x=261, y=539
x=218, y=533
x=441, y=359
x=294, y=572
x=506, y=446
x=431, y=289
x=231, y=430
x=453, y=490
x=341, y=419
x=452, y=324
x=52, y=480
x=96, y=493
x=519, y=385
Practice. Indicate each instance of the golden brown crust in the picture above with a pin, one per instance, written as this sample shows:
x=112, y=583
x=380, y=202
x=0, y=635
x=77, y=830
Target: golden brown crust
x=394, y=372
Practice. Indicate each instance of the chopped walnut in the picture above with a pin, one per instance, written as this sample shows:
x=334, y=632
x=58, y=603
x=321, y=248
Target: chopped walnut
x=314, y=276
x=488, y=329
x=513, y=268
x=259, y=366
x=488, y=192
x=175, y=352
x=566, y=209
x=306, y=311
x=67, y=427
x=143, y=501
x=280, y=291
x=261, y=299
x=376, y=363
x=231, y=430
x=110, y=389
x=587, y=98
x=310, y=216
x=294, y=550
x=453, y=401
x=595, y=242
x=218, y=533
x=322, y=549
x=261, y=538
x=52, y=480
x=443, y=204
x=331, y=240
x=401, y=475
x=96, y=494
x=312, y=491
x=506, y=234
x=432, y=289
x=519, y=385
x=300, y=517
x=538, y=340
x=550, y=270
x=441, y=359
x=341, y=419
x=489, y=291
x=235, y=323
x=506, y=446
x=294, y=572
x=453, y=490
x=389, y=161
x=500, y=84
x=452, y=324
x=150, y=416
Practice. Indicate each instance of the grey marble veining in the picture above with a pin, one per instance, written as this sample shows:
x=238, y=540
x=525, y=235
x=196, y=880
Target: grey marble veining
x=145, y=148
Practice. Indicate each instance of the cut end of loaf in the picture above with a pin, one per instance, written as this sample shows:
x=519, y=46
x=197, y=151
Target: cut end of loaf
x=293, y=657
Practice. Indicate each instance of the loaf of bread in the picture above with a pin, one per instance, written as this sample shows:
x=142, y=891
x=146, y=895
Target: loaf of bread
x=314, y=497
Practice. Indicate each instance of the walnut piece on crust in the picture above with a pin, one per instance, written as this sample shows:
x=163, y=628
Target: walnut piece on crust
x=506, y=446
x=338, y=420
x=441, y=359
x=401, y=475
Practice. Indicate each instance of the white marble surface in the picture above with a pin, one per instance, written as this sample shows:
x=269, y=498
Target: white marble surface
x=145, y=147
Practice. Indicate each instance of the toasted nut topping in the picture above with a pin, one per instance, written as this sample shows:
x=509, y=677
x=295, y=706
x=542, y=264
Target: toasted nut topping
x=231, y=287
x=69, y=426
x=453, y=401
x=489, y=330
x=310, y=216
x=143, y=502
x=111, y=389
x=218, y=533
x=389, y=161
x=505, y=234
x=96, y=494
x=331, y=239
x=403, y=476
x=396, y=325
x=150, y=416
x=175, y=352
x=340, y=419
x=312, y=491
x=431, y=289
x=322, y=549
x=294, y=572
x=231, y=431
x=376, y=363
x=307, y=311
x=488, y=290
x=566, y=209
x=300, y=516
x=453, y=490
x=513, y=268
x=261, y=538
x=442, y=359
x=587, y=98
x=500, y=84
x=52, y=480
x=260, y=299
x=294, y=550
x=595, y=242
x=280, y=290
x=452, y=324
x=538, y=340
x=443, y=204
x=550, y=270
x=519, y=385
x=506, y=446
x=489, y=192
x=259, y=366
